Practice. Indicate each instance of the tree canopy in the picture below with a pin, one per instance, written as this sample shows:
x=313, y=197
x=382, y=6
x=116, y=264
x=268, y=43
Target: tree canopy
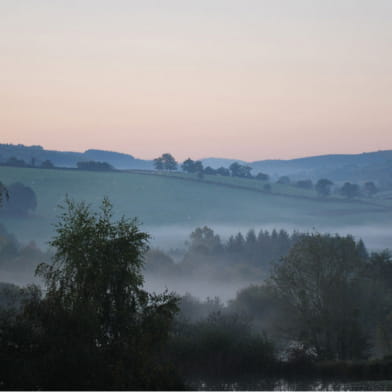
x=323, y=187
x=165, y=162
x=319, y=281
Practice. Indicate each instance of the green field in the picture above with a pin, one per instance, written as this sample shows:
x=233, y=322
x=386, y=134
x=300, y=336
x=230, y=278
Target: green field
x=183, y=200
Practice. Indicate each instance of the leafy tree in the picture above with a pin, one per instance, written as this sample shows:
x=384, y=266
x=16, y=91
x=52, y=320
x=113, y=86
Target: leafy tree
x=210, y=171
x=165, y=162
x=223, y=171
x=370, y=188
x=94, y=165
x=158, y=163
x=22, y=200
x=190, y=166
x=323, y=187
x=12, y=161
x=198, y=167
x=96, y=327
x=238, y=170
x=262, y=176
x=350, y=190
x=305, y=184
x=205, y=241
x=47, y=164
x=283, y=180
x=319, y=281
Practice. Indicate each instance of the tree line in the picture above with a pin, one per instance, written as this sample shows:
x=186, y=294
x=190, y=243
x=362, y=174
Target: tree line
x=323, y=186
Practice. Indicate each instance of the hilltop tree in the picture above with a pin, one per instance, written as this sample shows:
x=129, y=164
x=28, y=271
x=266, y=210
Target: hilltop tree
x=94, y=165
x=190, y=166
x=238, y=170
x=158, y=163
x=223, y=171
x=323, y=187
x=165, y=162
x=210, y=171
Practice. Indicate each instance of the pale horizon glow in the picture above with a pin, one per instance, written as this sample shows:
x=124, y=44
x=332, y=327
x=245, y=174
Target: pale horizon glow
x=241, y=79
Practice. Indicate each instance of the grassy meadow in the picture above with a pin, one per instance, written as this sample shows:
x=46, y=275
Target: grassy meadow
x=181, y=200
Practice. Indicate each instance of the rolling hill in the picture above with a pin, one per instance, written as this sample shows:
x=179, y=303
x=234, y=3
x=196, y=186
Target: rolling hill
x=172, y=205
x=370, y=166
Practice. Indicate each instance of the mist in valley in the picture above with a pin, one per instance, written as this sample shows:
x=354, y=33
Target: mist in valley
x=174, y=239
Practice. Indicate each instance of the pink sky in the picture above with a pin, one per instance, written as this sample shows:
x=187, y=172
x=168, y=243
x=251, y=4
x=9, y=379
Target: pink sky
x=246, y=79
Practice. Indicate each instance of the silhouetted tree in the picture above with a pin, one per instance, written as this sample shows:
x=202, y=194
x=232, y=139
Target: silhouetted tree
x=305, y=184
x=188, y=166
x=209, y=171
x=319, y=280
x=94, y=165
x=238, y=170
x=96, y=327
x=47, y=164
x=165, y=162
x=370, y=188
x=323, y=187
x=350, y=190
x=262, y=176
x=283, y=180
x=223, y=171
x=158, y=163
x=204, y=240
x=16, y=162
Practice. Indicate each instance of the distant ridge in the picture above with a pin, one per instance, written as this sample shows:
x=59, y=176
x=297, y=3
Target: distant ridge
x=69, y=158
x=367, y=166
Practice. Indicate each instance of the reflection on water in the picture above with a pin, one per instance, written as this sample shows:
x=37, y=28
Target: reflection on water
x=291, y=385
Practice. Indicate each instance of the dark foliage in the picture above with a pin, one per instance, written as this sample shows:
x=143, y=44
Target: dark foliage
x=238, y=170
x=21, y=200
x=94, y=166
x=165, y=162
x=220, y=347
x=305, y=184
x=323, y=187
x=350, y=190
x=284, y=180
x=95, y=327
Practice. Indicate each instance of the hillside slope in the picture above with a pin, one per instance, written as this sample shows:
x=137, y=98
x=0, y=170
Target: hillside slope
x=162, y=201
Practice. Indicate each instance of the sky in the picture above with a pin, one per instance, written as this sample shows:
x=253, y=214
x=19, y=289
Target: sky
x=242, y=79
